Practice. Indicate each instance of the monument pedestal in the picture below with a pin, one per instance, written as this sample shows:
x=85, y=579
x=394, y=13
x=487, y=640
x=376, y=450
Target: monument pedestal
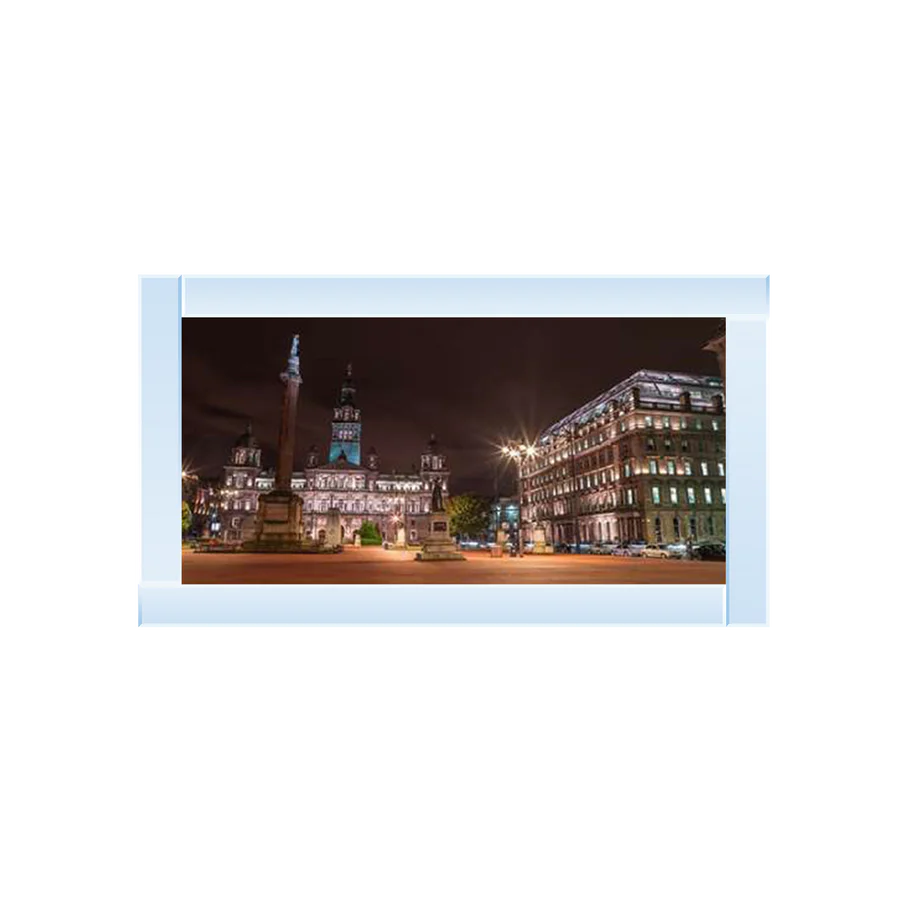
x=437, y=545
x=279, y=525
x=540, y=542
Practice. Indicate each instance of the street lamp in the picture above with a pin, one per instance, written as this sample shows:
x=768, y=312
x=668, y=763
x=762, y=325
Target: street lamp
x=519, y=453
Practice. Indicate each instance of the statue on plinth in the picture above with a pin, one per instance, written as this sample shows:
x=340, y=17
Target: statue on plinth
x=437, y=500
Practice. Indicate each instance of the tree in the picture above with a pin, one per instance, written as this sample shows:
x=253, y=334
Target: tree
x=369, y=534
x=185, y=518
x=470, y=515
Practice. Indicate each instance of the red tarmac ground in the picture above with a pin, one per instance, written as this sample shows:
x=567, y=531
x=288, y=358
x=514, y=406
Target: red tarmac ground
x=373, y=565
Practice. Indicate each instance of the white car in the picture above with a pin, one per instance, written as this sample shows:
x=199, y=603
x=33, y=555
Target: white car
x=658, y=551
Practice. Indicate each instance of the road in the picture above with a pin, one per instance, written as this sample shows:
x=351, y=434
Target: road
x=372, y=565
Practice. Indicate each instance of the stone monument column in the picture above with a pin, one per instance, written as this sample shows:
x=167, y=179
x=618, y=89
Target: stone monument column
x=279, y=519
x=292, y=381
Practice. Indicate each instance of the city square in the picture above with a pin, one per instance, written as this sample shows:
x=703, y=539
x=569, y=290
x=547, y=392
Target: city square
x=373, y=565
x=552, y=467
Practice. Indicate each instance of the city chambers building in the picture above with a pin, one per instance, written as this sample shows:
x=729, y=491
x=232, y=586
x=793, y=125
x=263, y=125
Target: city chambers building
x=342, y=481
x=645, y=460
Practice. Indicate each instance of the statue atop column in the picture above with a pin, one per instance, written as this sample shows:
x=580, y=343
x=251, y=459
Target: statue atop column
x=293, y=366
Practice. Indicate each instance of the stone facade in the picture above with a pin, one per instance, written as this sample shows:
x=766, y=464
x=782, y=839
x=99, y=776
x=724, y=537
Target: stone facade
x=358, y=492
x=643, y=461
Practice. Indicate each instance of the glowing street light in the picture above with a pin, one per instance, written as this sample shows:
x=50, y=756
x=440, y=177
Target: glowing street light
x=519, y=452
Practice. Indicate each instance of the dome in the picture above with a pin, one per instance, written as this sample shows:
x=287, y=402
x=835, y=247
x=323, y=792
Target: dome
x=247, y=439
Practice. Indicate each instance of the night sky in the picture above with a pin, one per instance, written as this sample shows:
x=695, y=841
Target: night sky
x=472, y=382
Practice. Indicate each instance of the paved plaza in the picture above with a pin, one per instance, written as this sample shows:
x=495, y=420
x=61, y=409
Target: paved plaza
x=373, y=565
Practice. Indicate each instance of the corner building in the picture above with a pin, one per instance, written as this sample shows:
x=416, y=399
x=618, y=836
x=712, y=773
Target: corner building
x=645, y=460
x=341, y=480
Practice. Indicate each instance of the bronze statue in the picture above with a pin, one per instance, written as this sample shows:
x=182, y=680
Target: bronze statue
x=437, y=501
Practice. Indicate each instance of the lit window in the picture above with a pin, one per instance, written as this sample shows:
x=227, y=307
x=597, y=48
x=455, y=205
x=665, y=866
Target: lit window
x=670, y=466
x=687, y=467
x=653, y=467
x=715, y=424
x=673, y=495
x=666, y=422
x=655, y=492
x=707, y=495
x=627, y=470
x=698, y=424
x=723, y=494
x=629, y=496
x=704, y=468
x=690, y=496
x=721, y=467
x=648, y=421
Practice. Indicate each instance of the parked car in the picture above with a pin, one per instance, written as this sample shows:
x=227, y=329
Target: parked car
x=562, y=548
x=709, y=551
x=628, y=548
x=657, y=551
x=603, y=548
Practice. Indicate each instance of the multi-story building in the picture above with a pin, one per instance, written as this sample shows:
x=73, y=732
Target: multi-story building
x=361, y=492
x=643, y=461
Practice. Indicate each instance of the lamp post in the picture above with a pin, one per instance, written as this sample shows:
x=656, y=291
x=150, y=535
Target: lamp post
x=519, y=453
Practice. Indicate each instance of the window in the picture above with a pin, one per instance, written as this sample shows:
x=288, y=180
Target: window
x=676, y=522
x=704, y=468
x=651, y=444
x=721, y=468
x=653, y=467
x=648, y=421
x=629, y=496
x=723, y=495
x=690, y=496
x=710, y=527
x=688, y=469
x=670, y=466
x=707, y=495
x=666, y=422
x=627, y=470
x=673, y=495
x=657, y=527
x=715, y=424
x=655, y=493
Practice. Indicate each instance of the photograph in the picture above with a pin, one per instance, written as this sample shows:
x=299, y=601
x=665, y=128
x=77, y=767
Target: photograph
x=453, y=451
